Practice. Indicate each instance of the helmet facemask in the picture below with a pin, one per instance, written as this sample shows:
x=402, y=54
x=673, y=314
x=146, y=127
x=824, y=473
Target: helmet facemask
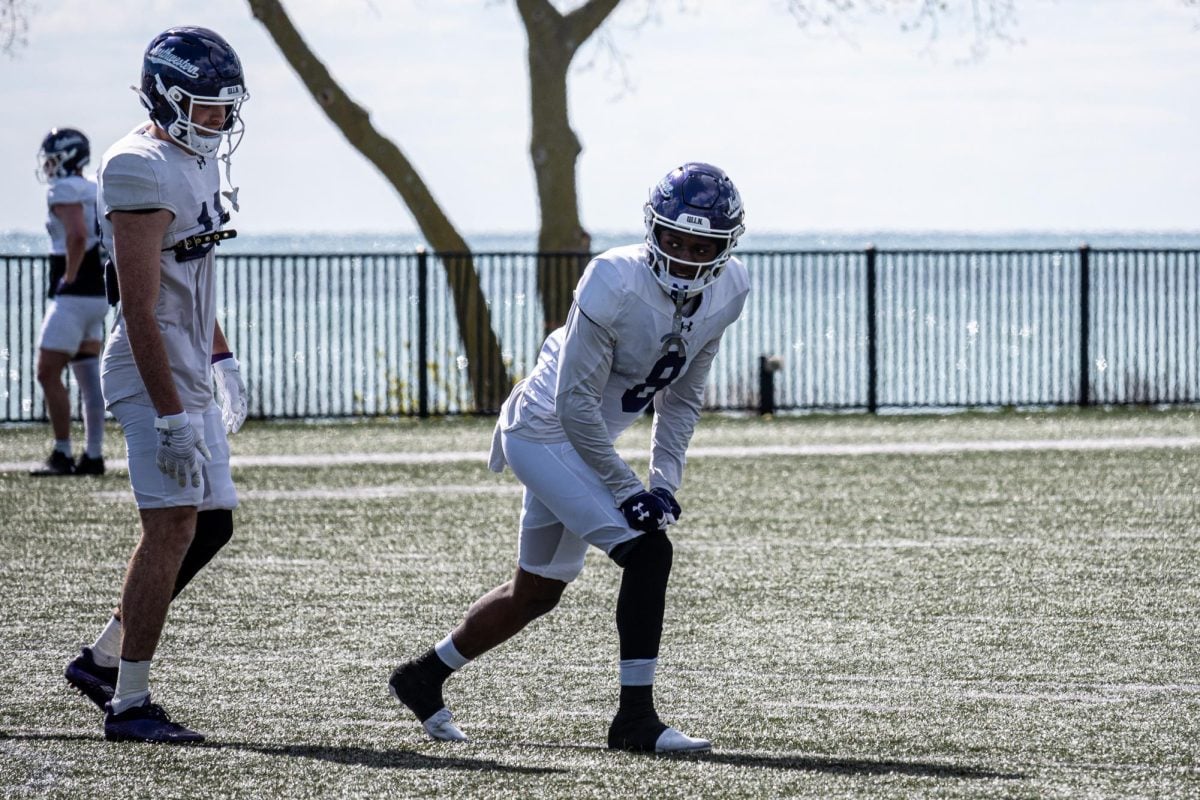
x=50, y=165
x=696, y=200
x=64, y=152
x=705, y=272
x=191, y=135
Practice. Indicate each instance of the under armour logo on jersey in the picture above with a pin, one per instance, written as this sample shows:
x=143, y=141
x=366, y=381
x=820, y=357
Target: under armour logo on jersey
x=687, y=326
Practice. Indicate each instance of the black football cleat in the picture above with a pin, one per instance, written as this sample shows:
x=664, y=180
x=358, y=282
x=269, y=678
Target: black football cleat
x=424, y=698
x=86, y=465
x=58, y=464
x=147, y=722
x=91, y=680
x=649, y=734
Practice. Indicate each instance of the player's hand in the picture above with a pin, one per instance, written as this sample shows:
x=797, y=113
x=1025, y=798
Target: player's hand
x=647, y=512
x=63, y=285
x=180, y=447
x=664, y=494
x=231, y=393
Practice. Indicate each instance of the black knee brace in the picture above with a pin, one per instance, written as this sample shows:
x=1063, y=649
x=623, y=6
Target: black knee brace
x=643, y=596
x=213, y=531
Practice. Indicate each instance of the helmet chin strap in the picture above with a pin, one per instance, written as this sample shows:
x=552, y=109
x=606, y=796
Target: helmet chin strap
x=230, y=195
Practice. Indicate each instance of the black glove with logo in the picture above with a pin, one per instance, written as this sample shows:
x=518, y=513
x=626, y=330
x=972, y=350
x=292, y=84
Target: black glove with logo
x=665, y=495
x=647, y=512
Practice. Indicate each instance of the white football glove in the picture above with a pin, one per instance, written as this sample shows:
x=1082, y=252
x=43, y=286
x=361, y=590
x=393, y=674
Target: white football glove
x=231, y=393
x=180, y=447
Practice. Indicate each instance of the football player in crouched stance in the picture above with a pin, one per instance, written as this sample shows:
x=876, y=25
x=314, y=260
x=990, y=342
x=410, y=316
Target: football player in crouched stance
x=645, y=325
x=160, y=200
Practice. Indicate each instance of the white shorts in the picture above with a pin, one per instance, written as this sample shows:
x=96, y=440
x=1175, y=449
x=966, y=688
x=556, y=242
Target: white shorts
x=566, y=508
x=153, y=489
x=72, y=320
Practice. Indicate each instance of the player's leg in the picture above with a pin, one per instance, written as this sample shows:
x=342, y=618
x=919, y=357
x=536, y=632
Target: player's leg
x=549, y=557
x=86, y=367
x=94, y=671
x=574, y=493
x=490, y=621
x=50, y=366
x=168, y=516
x=641, y=603
x=64, y=328
x=214, y=520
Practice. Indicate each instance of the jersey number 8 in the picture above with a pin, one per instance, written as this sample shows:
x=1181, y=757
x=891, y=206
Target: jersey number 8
x=665, y=370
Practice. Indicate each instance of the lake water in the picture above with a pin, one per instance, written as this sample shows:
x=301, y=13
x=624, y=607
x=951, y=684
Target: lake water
x=35, y=242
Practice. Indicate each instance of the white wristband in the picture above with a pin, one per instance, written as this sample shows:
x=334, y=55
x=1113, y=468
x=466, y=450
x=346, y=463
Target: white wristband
x=171, y=422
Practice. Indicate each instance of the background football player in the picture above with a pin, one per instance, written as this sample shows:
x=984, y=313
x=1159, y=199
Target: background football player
x=645, y=325
x=162, y=212
x=73, y=328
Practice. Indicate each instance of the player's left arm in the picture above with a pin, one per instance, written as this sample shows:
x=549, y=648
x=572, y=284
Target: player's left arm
x=71, y=216
x=676, y=412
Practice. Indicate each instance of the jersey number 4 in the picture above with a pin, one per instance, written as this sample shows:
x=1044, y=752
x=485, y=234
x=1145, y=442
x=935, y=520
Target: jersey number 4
x=665, y=370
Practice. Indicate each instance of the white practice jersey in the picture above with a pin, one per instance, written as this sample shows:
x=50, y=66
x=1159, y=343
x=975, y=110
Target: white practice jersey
x=139, y=173
x=597, y=374
x=71, y=190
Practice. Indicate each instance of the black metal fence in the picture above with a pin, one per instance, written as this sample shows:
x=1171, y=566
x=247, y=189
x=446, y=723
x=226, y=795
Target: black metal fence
x=364, y=335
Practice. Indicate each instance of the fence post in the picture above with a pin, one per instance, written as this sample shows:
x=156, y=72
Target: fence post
x=1084, y=325
x=766, y=385
x=422, y=333
x=872, y=359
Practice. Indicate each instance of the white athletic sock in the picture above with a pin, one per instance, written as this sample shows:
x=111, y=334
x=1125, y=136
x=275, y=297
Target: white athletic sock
x=638, y=671
x=449, y=654
x=106, y=650
x=133, y=685
x=63, y=446
x=87, y=375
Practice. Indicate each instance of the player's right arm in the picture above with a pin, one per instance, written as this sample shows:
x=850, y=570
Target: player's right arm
x=71, y=216
x=585, y=363
x=137, y=242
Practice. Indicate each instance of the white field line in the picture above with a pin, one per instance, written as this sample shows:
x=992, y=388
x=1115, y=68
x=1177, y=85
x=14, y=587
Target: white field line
x=344, y=493
x=717, y=451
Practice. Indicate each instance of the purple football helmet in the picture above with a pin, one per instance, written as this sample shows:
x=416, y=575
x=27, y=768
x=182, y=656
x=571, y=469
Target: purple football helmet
x=64, y=152
x=189, y=65
x=700, y=200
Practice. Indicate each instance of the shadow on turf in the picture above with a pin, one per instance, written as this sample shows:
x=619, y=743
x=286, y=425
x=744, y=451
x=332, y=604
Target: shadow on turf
x=857, y=766
x=354, y=756
x=844, y=766
x=378, y=759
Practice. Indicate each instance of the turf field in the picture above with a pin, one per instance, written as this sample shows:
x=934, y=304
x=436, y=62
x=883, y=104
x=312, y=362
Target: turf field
x=998, y=605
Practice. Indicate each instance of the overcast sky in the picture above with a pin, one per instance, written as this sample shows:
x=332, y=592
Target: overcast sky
x=1090, y=123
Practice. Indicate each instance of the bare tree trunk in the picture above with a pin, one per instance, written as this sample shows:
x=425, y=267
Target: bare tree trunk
x=485, y=366
x=554, y=148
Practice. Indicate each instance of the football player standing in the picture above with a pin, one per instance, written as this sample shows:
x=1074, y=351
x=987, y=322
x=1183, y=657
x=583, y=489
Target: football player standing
x=644, y=328
x=160, y=198
x=73, y=328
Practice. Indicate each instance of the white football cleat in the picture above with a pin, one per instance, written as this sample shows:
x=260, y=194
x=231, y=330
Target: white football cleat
x=674, y=741
x=441, y=727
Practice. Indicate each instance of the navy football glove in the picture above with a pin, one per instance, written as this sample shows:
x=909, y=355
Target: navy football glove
x=647, y=513
x=665, y=495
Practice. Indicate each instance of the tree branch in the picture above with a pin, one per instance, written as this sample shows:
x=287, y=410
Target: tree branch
x=355, y=124
x=14, y=25
x=583, y=21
